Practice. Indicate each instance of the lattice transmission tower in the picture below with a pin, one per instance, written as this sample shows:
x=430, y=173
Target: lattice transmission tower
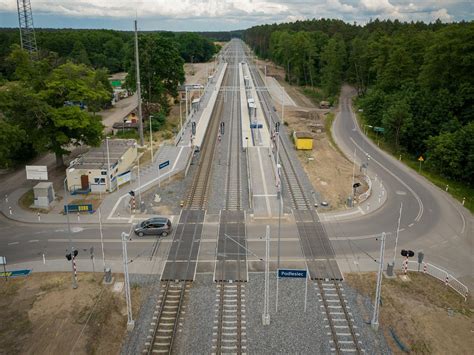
x=27, y=31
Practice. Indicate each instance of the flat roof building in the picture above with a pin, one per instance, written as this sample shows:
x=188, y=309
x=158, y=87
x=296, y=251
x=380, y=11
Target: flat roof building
x=88, y=173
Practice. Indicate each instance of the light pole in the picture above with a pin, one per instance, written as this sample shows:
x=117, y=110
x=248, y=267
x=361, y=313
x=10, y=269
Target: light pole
x=108, y=164
x=353, y=176
x=71, y=248
x=375, y=317
x=180, y=116
x=139, y=94
x=266, y=303
x=151, y=139
x=101, y=240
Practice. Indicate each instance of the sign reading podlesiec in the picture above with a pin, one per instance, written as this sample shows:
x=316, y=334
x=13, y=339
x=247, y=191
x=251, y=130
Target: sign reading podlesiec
x=291, y=273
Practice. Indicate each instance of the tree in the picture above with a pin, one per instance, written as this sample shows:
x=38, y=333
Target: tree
x=161, y=70
x=397, y=120
x=41, y=111
x=332, y=64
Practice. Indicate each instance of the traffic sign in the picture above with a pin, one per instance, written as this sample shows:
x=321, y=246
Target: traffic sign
x=277, y=127
x=193, y=128
x=292, y=273
x=222, y=128
x=256, y=125
x=16, y=273
x=421, y=158
x=164, y=164
x=379, y=129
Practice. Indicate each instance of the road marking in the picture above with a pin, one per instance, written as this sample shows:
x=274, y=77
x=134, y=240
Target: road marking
x=411, y=225
x=13, y=243
x=420, y=203
x=360, y=209
x=33, y=241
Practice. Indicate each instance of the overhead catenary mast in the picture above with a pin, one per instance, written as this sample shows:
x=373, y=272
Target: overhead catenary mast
x=139, y=94
x=27, y=31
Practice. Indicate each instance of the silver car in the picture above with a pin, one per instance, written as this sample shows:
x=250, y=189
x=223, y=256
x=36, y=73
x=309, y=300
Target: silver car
x=154, y=226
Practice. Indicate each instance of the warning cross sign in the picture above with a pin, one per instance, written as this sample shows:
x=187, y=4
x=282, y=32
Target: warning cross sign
x=421, y=158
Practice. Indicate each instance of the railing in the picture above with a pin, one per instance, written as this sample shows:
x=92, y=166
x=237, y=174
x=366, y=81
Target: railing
x=440, y=274
x=366, y=194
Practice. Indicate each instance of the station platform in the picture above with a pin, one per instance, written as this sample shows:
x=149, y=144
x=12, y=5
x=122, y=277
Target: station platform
x=263, y=183
x=244, y=112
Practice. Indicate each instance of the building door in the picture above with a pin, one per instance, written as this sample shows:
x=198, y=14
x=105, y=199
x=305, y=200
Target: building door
x=84, y=182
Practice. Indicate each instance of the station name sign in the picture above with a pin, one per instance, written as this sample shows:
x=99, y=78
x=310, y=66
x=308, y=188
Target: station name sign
x=292, y=273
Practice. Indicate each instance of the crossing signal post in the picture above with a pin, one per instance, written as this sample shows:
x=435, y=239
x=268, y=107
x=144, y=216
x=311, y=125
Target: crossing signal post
x=407, y=254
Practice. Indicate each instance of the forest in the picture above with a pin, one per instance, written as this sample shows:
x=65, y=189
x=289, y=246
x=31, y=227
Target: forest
x=102, y=48
x=49, y=101
x=415, y=80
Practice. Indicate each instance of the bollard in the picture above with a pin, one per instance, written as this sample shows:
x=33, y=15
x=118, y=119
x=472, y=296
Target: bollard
x=78, y=217
x=400, y=157
x=39, y=217
x=10, y=210
x=181, y=203
x=447, y=188
x=380, y=196
x=463, y=200
x=368, y=206
x=6, y=198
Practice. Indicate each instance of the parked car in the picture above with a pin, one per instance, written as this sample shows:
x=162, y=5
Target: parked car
x=154, y=226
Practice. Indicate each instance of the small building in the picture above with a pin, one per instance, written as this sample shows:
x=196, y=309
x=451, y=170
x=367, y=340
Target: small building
x=303, y=140
x=88, y=173
x=44, y=194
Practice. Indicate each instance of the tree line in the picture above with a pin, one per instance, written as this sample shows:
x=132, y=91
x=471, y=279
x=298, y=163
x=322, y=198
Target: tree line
x=412, y=79
x=102, y=48
x=50, y=103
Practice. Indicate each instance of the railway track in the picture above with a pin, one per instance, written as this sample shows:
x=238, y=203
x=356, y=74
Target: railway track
x=230, y=319
x=166, y=317
x=173, y=295
x=344, y=336
x=229, y=332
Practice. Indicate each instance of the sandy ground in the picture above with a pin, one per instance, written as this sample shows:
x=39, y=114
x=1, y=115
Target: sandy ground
x=328, y=169
x=426, y=316
x=42, y=314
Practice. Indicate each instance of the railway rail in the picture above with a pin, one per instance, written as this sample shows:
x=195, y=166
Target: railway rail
x=229, y=334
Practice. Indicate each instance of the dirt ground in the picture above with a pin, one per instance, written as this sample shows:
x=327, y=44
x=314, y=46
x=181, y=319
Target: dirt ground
x=42, y=314
x=328, y=169
x=426, y=316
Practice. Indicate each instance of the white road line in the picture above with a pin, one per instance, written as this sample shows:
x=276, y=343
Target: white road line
x=13, y=243
x=360, y=209
x=33, y=241
x=420, y=203
x=411, y=225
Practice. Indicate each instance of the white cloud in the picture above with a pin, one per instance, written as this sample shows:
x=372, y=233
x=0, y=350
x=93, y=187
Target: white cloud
x=243, y=13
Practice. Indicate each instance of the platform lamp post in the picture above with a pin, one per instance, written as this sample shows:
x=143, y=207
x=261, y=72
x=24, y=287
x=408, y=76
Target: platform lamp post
x=108, y=164
x=151, y=138
x=71, y=248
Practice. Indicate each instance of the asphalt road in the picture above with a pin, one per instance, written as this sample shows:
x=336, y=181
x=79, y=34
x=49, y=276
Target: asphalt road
x=431, y=221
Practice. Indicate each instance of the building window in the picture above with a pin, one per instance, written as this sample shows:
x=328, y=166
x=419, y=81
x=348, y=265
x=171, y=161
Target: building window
x=103, y=172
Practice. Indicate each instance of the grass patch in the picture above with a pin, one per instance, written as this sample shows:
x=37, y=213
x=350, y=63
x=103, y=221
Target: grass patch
x=129, y=134
x=27, y=199
x=456, y=189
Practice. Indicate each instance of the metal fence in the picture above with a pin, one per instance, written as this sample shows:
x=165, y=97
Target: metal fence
x=440, y=274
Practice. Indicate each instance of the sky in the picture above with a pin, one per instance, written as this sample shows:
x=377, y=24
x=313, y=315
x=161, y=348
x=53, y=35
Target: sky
x=224, y=15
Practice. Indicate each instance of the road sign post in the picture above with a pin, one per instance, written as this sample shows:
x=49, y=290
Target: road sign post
x=292, y=274
x=420, y=159
x=162, y=166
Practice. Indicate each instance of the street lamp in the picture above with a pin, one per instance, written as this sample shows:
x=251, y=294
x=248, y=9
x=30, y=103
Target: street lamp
x=71, y=248
x=151, y=139
x=108, y=164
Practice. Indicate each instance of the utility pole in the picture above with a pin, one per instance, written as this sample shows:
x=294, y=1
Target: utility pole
x=139, y=93
x=375, y=318
x=279, y=195
x=108, y=164
x=266, y=301
x=101, y=240
x=151, y=139
x=398, y=231
x=71, y=248
x=353, y=177
x=130, y=322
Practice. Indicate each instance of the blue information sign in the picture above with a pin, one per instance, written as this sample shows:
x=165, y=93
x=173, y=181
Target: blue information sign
x=16, y=273
x=164, y=164
x=255, y=125
x=291, y=273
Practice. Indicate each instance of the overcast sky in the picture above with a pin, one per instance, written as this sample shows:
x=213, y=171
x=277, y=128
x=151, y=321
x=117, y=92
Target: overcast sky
x=215, y=15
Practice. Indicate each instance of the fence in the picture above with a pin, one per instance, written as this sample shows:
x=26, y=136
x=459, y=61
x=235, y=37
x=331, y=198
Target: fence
x=366, y=194
x=440, y=274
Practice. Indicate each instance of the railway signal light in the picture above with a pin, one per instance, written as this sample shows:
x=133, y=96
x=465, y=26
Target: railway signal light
x=132, y=193
x=75, y=252
x=68, y=256
x=193, y=128
x=277, y=127
x=407, y=253
x=222, y=128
